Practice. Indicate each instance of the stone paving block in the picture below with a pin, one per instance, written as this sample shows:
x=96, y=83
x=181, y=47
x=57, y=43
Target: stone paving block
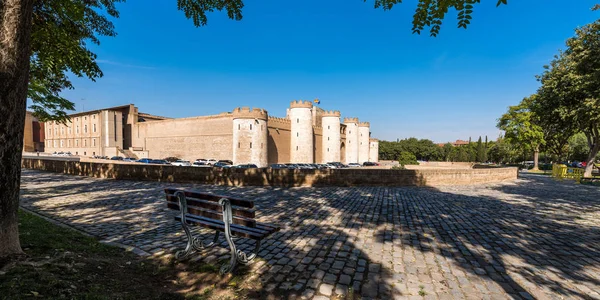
x=520, y=238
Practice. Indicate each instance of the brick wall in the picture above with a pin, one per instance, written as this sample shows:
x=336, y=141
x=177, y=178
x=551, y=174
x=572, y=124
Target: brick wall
x=269, y=177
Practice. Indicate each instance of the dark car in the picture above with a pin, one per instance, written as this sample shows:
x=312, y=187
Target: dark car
x=278, y=166
x=221, y=164
x=116, y=158
x=246, y=166
x=370, y=164
x=145, y=160
x=172, y=159
x=226, y=161
x=159, y=162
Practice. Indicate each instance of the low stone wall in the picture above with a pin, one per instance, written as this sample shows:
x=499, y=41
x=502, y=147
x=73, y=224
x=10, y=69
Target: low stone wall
x=269, y=177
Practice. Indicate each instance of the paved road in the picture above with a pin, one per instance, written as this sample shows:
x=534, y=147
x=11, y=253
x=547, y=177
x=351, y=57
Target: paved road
x=533, y=238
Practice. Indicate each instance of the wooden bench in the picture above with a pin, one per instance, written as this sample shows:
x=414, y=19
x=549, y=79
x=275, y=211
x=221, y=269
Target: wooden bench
x=234, y=217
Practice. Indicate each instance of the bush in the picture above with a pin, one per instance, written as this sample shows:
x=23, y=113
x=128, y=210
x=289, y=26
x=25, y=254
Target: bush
x=407, y=158
x=400, y=167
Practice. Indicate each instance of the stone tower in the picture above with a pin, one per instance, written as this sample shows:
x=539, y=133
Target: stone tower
x=363, y=141
x=250, y=136
x=331, y=136
x=374, y=150
x=302, y=143
x=351, y=140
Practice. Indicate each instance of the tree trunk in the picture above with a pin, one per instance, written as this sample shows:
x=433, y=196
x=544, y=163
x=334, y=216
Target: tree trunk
x=595, y=147
x=15, y=33
x=536, y=158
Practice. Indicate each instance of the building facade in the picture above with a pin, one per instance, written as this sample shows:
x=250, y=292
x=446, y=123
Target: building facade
x=308, y=134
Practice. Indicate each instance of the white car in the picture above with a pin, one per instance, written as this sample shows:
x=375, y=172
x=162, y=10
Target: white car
x=181, y=163
x=200, y=164
x=354, y=165
x=211, y=161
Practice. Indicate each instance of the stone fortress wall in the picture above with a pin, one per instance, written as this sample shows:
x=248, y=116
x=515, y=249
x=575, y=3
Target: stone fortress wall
x=308, y=134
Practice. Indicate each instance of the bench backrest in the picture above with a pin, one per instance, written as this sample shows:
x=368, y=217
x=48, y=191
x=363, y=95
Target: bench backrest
x=207, y=205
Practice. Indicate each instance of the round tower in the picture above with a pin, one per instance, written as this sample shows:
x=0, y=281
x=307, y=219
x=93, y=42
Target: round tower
x=374, y=150
x=364, y=135
x=302, y=143
x=250, y=136
x=331, y=136
x=352, y=142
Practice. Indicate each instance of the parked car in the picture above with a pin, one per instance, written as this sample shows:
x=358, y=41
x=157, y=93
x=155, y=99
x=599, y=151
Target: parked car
x=222, y=164
x=338, y=165
x=172, y=159
x=278, y=166
x=181, y=163
x=292, y=166
x=159, y=162
x=144, y=160
x=354, y=165
x=370, y=164
x=116, y=158
x=201, y=160
x=200, y=164
x=246, y=166
x=226, y=161
x=130, y=159
x=211, y=161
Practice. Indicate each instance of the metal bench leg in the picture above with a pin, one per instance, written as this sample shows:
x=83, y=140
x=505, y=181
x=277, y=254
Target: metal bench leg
x=243, y=259
x=227, y=219
x=237, y=256
x=199, y=245
x=193, y=243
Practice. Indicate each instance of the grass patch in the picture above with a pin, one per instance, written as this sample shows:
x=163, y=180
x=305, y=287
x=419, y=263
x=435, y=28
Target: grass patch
x=64, y=264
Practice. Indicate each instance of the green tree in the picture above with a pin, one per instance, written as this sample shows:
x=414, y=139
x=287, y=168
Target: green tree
x=578, y=147
x=407, y=158
x=447, y=152
x=480, y=151
x=521, y=128
x=570, y=89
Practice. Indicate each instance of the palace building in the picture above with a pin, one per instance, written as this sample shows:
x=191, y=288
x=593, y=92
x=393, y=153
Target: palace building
x=308, y=134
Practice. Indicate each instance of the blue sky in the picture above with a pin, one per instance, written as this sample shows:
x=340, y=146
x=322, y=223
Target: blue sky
x=361, y=61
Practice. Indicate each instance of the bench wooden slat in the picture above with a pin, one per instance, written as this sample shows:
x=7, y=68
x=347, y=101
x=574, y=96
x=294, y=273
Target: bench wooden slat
x=212, y=198
x=235, y=210
x=236, y=230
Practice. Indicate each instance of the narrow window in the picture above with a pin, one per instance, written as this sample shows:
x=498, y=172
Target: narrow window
x=93, y=142
x=94, y=127
x=328, y=138
x=94, y=116
x=262, y=127
x=239, y=126
x=76, y=143
x=77, y=129
x=84, y=118
x=76, y=153
x=85, y=128
x=250, y=145
x=350, y=132
x=85, y=143
x=115, y=119
x=297, y=120
x=296, y=148
x=84, y=153
x=328, y=126
x=327, y=149
x=298, y=134
x=61, y=143
x=250, y=126
x=93, y=153
x=239, y=145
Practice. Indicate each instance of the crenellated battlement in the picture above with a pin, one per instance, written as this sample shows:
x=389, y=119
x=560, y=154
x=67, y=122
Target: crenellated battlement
x=331, y=113
x=301, y=104
x=248, y=113
x=350, y=120
x=364, y=124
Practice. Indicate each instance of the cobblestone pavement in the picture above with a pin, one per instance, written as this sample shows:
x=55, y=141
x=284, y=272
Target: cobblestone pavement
x=532, y=238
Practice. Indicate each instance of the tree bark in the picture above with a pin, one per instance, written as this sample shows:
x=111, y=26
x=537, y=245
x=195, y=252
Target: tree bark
x=536, y=158
x=15, y=34
x=594, y=148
